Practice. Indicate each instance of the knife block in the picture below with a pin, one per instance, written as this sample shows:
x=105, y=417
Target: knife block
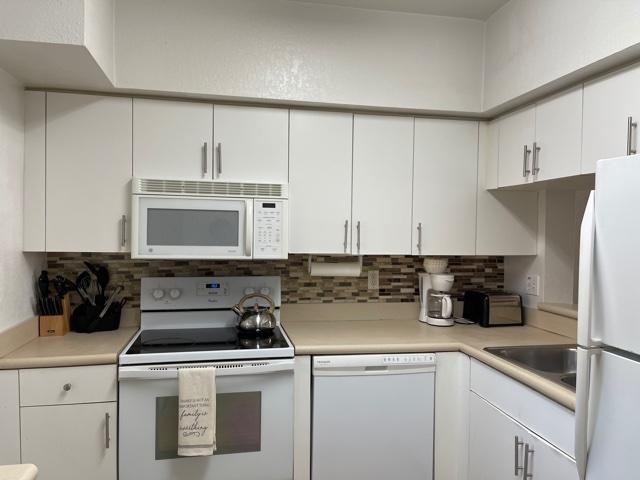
x=56, y=325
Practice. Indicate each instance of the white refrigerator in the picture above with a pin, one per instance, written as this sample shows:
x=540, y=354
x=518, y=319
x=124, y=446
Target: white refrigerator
x=607, y=430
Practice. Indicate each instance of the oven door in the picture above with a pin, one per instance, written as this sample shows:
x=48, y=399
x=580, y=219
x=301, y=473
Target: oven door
x=254, y=423
x=191, y=227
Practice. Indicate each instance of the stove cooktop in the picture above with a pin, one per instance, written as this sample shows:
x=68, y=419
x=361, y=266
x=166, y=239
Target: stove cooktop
x=203, y=344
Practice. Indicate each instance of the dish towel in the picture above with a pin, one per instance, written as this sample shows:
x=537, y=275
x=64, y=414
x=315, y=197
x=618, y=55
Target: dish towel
x=196, y=411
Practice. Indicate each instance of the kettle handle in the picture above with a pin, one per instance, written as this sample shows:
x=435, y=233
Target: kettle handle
x=239, y=309
x=447, y=307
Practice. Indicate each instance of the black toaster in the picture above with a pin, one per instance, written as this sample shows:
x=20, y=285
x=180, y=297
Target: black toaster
x=493, y=309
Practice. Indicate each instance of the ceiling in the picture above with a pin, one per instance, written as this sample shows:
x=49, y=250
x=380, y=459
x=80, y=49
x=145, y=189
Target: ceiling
x=478, y=9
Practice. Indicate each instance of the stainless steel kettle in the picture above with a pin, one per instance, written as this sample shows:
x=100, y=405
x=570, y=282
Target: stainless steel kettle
x=255, y=319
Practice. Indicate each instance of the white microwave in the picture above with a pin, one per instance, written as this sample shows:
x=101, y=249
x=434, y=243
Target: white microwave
x=208, y=220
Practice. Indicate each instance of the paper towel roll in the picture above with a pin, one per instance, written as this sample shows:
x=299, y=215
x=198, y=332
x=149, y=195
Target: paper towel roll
x=342, y=269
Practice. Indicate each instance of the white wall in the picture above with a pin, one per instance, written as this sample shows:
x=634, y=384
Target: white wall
x=291, y=51
x=530, y=43
x=98, y=33
x=16, y=268
x=559, y=217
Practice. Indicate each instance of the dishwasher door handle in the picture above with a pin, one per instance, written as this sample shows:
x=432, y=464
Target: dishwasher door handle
x=371, y=371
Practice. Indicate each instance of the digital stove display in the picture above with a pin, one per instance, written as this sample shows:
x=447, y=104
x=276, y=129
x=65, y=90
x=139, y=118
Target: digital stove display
x=211, y=285
x=202, y=340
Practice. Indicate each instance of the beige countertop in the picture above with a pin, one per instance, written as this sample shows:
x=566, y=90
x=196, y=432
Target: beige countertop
x=72, y=349
x=25, y=471
x=566, y=309
x=327, y=337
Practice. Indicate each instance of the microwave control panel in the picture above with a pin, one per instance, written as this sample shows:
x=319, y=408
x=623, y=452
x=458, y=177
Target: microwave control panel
x=270, y=229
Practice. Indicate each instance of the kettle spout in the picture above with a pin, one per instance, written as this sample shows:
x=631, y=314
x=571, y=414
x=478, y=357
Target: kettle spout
x=237, y=309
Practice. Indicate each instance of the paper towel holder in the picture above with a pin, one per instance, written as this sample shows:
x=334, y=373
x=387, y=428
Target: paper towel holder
x=358, y=263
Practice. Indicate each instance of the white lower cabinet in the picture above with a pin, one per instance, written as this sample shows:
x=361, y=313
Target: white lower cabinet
x=498, y=445
x=68, y=422
x=9, y=418
x=71, y=442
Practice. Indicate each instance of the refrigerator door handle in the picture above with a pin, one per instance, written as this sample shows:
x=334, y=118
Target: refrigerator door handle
x=582, y=414
x=585, y=275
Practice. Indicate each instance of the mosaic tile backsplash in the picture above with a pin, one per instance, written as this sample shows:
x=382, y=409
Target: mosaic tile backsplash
x=398, y=275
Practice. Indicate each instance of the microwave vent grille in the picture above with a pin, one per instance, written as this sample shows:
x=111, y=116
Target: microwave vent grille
x=194, y=187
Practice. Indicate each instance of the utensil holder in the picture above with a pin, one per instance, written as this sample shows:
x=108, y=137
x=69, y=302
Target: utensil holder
x=56, y=325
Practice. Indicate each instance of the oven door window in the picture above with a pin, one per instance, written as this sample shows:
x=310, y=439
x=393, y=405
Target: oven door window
x=238, y=424
x=193, y=228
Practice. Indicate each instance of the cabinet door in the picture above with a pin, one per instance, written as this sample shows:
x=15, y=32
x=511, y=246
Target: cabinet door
x=558, y=136
x=507, y=220
x=608, y=104
x=320, y=146
x=69, y=442
x=88, y=173
x=9, y=418
x=445, y=175
x=251, y=144
x=172, y=139
x=382, y=178
x=493, y=452
x=546, y=462
x=517, y=133
x=35, y=168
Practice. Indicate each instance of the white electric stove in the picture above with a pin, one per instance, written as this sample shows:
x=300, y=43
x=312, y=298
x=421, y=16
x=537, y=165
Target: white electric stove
x=188, y=323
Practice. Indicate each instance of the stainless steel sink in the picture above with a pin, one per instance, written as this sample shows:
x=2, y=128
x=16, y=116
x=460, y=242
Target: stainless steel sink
x=555, y=362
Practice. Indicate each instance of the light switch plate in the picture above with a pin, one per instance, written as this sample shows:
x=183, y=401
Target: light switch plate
x=373, y=280
x=533, y=285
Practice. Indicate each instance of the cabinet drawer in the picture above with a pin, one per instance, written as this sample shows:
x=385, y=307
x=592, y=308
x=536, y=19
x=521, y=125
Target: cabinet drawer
x=541, y=415
x=59, y=386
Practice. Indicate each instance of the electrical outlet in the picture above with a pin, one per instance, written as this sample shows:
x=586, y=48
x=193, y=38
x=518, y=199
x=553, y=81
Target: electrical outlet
x=373, y=280
x=533, y=285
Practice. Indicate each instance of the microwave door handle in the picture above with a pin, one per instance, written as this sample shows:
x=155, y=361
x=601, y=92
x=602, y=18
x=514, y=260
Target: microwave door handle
x=248, y=228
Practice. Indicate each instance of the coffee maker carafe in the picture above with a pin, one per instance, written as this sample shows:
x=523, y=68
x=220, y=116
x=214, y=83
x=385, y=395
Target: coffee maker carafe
x=436, y=306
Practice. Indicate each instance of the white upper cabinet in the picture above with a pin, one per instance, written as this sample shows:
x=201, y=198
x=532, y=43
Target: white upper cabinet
x=172, y=139
x=34, y=171
x=611, y=113
x=507, y=221
x=88, y=173
x=517, y=134
x=251, y=144
x=445, y=175
x=382, y=177
x=557, y=150
x=320, y=148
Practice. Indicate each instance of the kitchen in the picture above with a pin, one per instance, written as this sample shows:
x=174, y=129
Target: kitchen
x=360, y=234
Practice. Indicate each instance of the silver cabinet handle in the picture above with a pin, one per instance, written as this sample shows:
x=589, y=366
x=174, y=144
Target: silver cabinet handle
x=516, y=460
x=630, y=126
x=66, y=387
x=205, y=151
x=123, y=237
x=525, y=161
x=219, y=148
x=527, y=450
x=346, y=230
x=107, y=435
x=419, y=244
x=536, y=158
x=358, y=236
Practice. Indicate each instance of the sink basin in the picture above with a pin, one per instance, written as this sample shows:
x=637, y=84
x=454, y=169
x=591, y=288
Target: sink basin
x=555, y=362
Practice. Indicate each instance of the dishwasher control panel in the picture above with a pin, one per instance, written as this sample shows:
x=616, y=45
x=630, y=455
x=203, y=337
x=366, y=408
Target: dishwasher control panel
x=369, y=362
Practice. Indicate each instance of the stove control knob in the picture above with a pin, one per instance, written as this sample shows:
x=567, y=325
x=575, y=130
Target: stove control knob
x=175, y=293
x=265, y=291
x=249, y=291
x=158, y=294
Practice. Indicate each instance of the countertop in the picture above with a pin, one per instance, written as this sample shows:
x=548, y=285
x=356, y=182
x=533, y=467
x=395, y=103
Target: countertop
x=25, y=471
x=566, y=309
x=326, y=337
x=72, y=349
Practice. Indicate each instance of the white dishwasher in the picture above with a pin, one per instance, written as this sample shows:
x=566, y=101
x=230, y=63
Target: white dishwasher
x=373, y=417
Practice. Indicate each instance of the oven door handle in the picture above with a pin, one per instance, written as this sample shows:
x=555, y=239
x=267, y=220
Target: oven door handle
x=171, y=372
